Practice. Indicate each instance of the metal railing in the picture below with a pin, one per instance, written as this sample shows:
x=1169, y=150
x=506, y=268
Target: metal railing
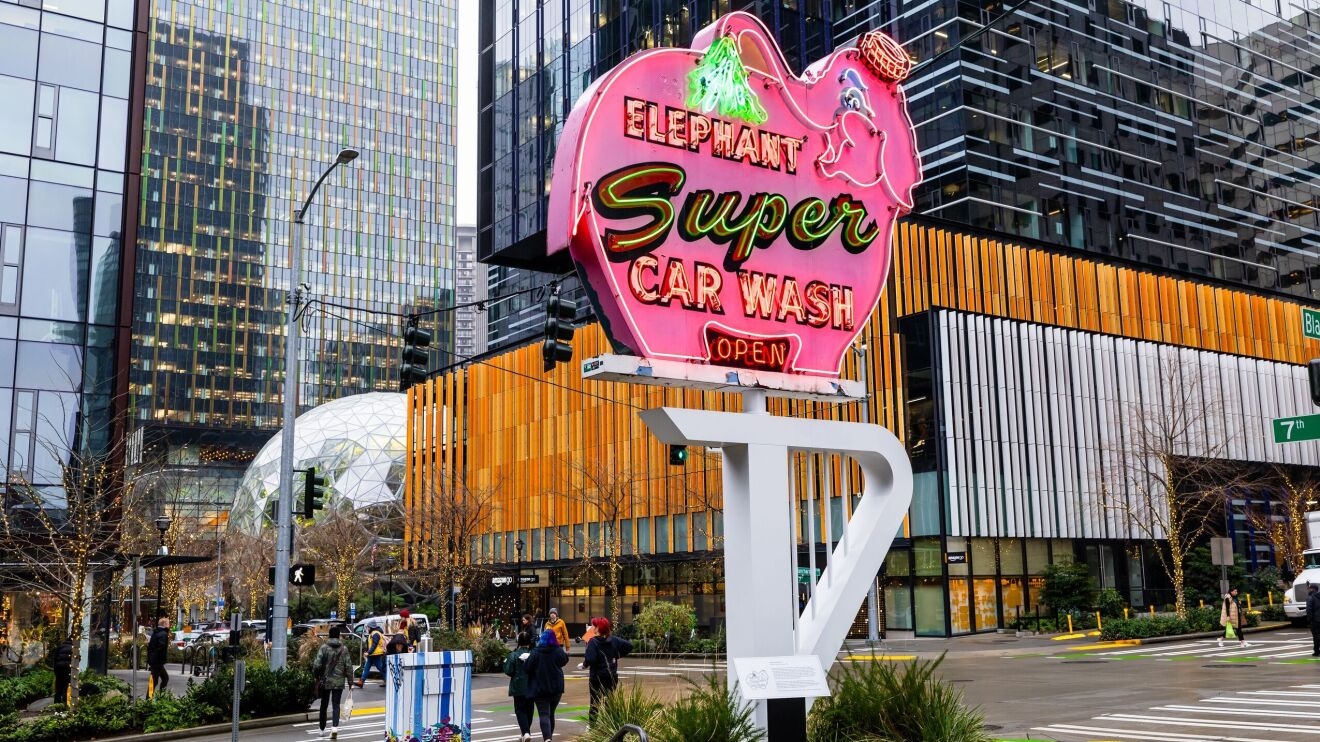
x=623, y=732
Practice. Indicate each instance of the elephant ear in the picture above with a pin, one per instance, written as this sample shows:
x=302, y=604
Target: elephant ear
x=853, y=150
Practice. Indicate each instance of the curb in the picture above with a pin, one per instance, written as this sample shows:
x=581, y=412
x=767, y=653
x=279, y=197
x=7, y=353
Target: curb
x=262, y=723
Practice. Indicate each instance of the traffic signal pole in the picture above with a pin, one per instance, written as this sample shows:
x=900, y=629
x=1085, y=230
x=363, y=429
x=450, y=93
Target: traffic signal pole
x=279, y=642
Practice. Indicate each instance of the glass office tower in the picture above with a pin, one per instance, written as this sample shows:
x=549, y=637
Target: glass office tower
x=1180, y=135
x=247, y=104
x=65, y=72
x=536, y=59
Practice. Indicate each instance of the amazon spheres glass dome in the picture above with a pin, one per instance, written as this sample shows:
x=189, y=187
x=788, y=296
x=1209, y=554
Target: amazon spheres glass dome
x=357, y=444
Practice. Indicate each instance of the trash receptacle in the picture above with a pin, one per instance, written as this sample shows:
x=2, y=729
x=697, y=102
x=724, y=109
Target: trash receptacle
x=428, y=697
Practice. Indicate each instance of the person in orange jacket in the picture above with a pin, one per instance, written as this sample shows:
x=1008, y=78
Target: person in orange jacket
x=557, y=625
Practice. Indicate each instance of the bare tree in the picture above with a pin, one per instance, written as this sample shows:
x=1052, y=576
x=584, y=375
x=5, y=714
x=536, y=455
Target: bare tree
x=63, y=540
x=246, y=562
x=1285, y=527
x=1170, y=470
x=339, y=540
x=608, y=493
x=445, y=519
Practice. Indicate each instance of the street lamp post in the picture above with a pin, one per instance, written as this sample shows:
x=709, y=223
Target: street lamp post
x=389, y=568
x=517, y=582
x=284, y=507
x=162, y=525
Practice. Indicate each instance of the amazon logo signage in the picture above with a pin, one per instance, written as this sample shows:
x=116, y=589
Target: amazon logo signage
x=725, y=211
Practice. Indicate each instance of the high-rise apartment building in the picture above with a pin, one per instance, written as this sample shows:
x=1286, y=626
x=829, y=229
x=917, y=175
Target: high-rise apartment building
x=536, y=58
x=469, y=294
x=246, y=105
x=1179, y=136
x=65, y=177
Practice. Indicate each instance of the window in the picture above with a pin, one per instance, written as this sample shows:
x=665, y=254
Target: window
x=43, y=130
x=11, y=262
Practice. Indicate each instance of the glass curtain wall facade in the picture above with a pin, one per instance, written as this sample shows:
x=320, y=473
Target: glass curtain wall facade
x=247, y=104
x=1181, y=135
x=536, y=58
x=65, y=78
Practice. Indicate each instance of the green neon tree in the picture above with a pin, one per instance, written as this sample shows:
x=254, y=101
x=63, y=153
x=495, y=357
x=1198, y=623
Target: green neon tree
x=719, y=83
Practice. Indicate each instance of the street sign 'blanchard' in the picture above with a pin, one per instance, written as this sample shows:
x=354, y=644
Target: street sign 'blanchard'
x=1311, y=323
x=722, y=210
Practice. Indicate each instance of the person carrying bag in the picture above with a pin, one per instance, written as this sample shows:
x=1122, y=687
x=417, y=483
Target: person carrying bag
x=602, y=662
x=1230, y=617
x=332, y=669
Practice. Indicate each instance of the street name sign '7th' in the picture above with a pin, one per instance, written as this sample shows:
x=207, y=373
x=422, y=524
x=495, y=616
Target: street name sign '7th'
x=1311, y=323
x=1294, y=429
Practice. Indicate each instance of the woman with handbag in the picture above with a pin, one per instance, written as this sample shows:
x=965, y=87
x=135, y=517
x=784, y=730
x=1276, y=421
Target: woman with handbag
x=332, y=668
x=1230, y=617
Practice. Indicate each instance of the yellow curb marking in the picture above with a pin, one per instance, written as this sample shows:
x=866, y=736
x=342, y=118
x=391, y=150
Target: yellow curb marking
x=1106, y=645
x=1064, y=637
x=368, y=710
x=879, y=657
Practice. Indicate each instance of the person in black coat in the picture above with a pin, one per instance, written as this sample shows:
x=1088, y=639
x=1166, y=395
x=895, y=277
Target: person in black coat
x=158, y=650
x=62, y=663
x=1313, y=616
x=602, y=662
x=545, y=680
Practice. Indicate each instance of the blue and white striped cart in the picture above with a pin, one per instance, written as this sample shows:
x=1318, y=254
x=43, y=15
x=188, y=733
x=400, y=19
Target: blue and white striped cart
x=428, y=697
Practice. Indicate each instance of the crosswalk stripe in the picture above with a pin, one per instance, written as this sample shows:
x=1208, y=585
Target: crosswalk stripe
x=1129, y=734
x=1194, y=722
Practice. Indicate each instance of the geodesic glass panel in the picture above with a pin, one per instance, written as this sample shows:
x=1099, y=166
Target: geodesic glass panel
x=356, y=443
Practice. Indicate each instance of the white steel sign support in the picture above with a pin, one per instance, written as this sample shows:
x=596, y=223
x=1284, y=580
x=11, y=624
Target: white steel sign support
x=759, y=543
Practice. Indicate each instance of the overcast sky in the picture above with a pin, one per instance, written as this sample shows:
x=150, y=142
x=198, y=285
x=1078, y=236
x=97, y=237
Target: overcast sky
x=467, y=113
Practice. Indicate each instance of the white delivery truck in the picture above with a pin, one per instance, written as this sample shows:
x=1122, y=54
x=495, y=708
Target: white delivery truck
x=1294, y=601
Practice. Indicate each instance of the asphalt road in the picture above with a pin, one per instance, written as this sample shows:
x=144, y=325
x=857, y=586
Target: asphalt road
x=1179, y=692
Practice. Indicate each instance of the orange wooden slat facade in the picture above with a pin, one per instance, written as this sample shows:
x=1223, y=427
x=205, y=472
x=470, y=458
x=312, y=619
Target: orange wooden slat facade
x=505, y=425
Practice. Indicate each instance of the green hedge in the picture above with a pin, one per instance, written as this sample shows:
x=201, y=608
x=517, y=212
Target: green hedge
x=1199, y=620
x=17, y=693
x=267, y=693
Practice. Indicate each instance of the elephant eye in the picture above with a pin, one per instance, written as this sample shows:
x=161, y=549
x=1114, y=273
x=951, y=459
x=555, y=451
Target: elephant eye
x=850, y=100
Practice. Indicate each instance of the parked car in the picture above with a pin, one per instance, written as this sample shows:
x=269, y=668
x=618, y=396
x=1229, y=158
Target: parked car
x=390, y=624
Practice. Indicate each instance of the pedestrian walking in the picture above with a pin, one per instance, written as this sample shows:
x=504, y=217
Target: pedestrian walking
x=557, y=625
x=602, y=661
x=332, y=668
x=62, y=663
x=515, y=666
x=1230, y=617
x=158, y=651
x=545, y=680
x=1313, y=616
x=375, y=654
x=410, y=629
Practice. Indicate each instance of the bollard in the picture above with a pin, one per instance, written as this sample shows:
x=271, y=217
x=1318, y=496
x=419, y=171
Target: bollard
x=1248, y=602
x=1098, y=626
x=1125, y=613
x=1152, y=610
x=1202, y=602
x=1271, y=598
x=1070, y=630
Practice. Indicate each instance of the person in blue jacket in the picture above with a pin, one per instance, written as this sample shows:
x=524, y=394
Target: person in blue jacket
x=545, y=680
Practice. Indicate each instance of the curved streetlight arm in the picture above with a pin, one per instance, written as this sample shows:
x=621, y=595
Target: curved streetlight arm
x=347, y=155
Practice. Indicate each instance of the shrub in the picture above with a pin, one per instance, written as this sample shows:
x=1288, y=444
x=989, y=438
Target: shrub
x=92, y=683
x=1109, y=602
x=626, y=705
x=670, y=621
x=95, y=717
x=165, y=712
x=877, y=701
x=1272, y=613
x=488, y=655
x=1068, y=587
x=17, y=693
x=447, y=639
x=709, y=712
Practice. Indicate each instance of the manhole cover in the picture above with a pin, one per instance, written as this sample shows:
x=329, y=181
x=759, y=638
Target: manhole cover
x=1004, y=641
x=1085, y=662
x=960, y=680
x=1227, y=666
x=991, y=727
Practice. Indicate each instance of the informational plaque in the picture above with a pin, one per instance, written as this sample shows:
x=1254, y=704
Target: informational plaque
x=790, y=676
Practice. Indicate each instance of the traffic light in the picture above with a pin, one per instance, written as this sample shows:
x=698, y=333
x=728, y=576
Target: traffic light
x=559, y=314
x=314, y=494
x=416, y=359
x=677, y=455
x=1313, y=369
